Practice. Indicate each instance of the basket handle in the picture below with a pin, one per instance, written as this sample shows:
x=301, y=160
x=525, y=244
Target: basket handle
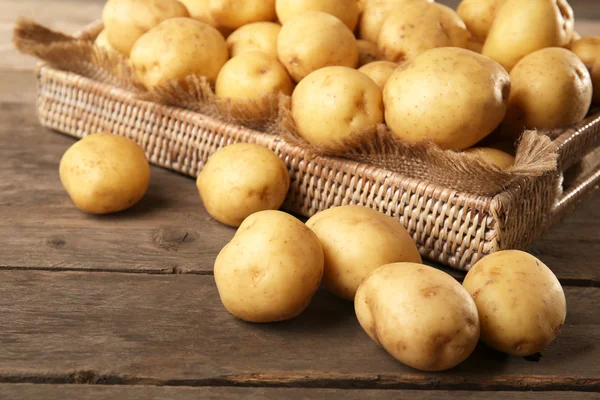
x=575, y=143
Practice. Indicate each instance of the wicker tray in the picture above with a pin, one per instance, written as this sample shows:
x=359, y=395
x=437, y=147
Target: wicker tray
x=453, y=228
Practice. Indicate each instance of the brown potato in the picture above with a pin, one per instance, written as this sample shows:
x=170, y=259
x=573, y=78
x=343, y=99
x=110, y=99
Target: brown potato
x=367, y=52
x=587, y=49
x=236, y=13
x=379, y=71
x=259, y=36
x=375, y=12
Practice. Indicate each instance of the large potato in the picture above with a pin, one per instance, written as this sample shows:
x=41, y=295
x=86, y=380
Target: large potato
x=200, y=10
x=242, y=179
x=521, y=304
x=493, y=156
x=356, y=240
x=452, y=96
x=522, y=27
x=419, y=26
x=236, y=13
x=259, y=36
x=271, y=268
x=379, y=71
x=375, y=12
x=334, y=103
x=125, y=21
x=346, y=11
x=420, y=315
x=177, y=48
x=595, y=72
x=367, y=52
x=551, y=88
x=314, y=40
x=587, y=49
x=479, y=15
x=105, y=173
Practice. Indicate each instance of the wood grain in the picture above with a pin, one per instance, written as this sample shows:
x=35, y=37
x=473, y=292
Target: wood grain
x=172, y=330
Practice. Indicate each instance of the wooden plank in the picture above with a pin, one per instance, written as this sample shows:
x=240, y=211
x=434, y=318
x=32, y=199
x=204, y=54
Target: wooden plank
x=89, y=392
x=70, y=327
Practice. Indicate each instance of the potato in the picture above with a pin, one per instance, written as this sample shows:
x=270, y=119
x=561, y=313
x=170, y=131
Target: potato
x=474, y=45
x=587, y=49
x=375, y=12
x=200, y=10
x=241, y=179
x=595, y=73
x=356, y=240
x=576, y=36
x=334, y=103
x=125, y=21
x=522, y=27
x=236, y=13
x=259, y=36
x=479, y=15
x=420, y=315
x=367, y=52
x=177, y=48
x=452, y=96
x=419, y=26
x=551, y=88
x=493, y=156
x=271, y=268
x=314, y=40
x=521, y=304
x=102, y=42
x=379, y=71
x=105, y=173
x=346, y=11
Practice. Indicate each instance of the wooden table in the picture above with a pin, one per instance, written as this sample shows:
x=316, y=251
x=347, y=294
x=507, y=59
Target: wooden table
x=125, y=306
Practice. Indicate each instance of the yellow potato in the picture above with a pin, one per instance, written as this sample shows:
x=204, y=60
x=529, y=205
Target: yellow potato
x=420, y=26
x=474, y=45
x=356, y=240
x=242, y=179
x=200, y=10
x=479, y=15
x=125, y=21
x=493, y=156
x=420, y=315
x=236, y=13
x=522, y=27
x=453, y=97
x=361, y=5
x=367, y=52
x=271, y=268
x=314, y=40
x=102, y=42
x=551, y=88
x=521, y=304
x=177, y=48
x=259, y=36
x=334, y=103
x=587, y=49
x=379, y=71
x=346, y=11
x=105, y=173
x=375, y=12
x=595, y=72
x=576, y=36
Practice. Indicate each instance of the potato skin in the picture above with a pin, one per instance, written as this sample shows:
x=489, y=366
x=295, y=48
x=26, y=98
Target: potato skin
x=103, y=43
x=346, y=11
x=367, y=52
x=271, y=268
x=105, y=173
x=420, y=315
x=454, y=97
x=493, y=156
x=177, y=48
x=125, y=21
x=259, y=36
x=374, y=13
x=357, y=240
x=241, y=179
x=587, y=49
x=379, y=71
x=334, y=103
x=200, y=10
x=236, y=13
x=521, y=304
x=479, y=15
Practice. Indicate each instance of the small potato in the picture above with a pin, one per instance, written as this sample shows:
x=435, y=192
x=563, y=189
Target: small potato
x=346, y=11
x=375, y=12
x=259, y=36
x=521, y=304
x=587, y=49
x=271, y=268
x=242, y=179
x=420, y=26
x=493, y=156
x=367, y=52
x=357, y=240
x=479, y=15
x=420, y=315
x=102, y=42
x=334, y=103
x=551, y=88
x=236, y=13
x=595, y=72
x=105, y=173
x=125, y=21
x=379, y=71
x=453, y=97
x=314, y=40
x=177, y=48
x=200, y=10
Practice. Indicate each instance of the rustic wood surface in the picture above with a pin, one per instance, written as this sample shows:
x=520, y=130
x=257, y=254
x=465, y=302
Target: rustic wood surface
x=122, y=305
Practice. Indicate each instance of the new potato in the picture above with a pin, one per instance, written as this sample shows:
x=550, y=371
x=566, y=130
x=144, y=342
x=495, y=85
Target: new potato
x=587, y=49
x=105, y=173
x=375, y=12
x=346, y=11
x=419, y=314
x=493, y=156
x=271, y=268
x=379, y=71
x=356, y=240
x=479, y=15
x=259, y=36
x=236, y=13
x=367, y=52
x=521, y=304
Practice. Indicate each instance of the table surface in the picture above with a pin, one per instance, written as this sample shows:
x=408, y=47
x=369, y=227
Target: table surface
x=125, y=306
